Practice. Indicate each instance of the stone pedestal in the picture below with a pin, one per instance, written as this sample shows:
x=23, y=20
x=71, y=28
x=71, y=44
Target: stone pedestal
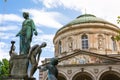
x=19, y=66
x=17, y=78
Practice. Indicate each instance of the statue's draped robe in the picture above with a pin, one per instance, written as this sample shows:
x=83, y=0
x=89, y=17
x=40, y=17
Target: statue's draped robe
x=26, y=34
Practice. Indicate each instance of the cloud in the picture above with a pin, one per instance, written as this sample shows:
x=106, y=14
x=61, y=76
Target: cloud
x=44, y=18
x=48, y=38
x=10, y=17
x=4, y=50
x=106, y=9
x=52, y=3
x=6, y=35
x=39, y=30
x=9, y=24
x=4, y=54
x=8, y=28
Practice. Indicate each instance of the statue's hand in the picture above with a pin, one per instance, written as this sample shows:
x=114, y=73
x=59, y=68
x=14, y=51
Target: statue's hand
x=36, y=33
x=17, y=35
x=39, y=67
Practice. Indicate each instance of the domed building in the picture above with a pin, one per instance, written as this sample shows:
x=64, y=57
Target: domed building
x=87, y=50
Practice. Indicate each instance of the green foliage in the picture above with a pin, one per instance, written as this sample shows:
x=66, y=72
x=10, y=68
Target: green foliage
x=118, y=19
x=4, y=67
x=118, y=36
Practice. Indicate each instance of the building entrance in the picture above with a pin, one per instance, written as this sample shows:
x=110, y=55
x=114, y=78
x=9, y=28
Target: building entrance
x=82, y=76
x=110, y=76
x=61, y=78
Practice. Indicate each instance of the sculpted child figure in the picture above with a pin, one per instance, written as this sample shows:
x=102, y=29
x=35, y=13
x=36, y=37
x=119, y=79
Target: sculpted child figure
x=52, y=69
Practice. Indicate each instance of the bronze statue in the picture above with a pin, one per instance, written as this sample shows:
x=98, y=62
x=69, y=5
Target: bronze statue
x=26, y=33
x=52, y=69
x=19, y=62
x=12, y=50
x=35, y=52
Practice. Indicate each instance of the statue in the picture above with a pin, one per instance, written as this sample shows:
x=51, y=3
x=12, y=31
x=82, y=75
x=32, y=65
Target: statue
x=26, y=33
x=52, y=70
x=12, y=50
x=12, y=53
x=19, y=62
x=35, y=52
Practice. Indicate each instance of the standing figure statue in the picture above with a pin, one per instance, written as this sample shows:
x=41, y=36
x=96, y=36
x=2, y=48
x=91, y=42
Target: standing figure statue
x=52, y=69
x=35, y=51
x=26, y=33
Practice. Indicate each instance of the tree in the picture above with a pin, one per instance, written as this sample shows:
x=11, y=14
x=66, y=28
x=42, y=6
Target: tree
x=4, y=67
x=118, y=19
x=118, y=36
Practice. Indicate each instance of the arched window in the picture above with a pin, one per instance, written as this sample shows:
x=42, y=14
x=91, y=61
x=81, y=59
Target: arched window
x=59, y=47
x=114, y=46
x=84, y=39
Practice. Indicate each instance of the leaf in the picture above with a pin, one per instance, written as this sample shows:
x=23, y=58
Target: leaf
x=4, y=67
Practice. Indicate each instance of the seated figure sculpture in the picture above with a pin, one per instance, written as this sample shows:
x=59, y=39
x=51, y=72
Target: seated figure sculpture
x=35, y=51
x=52, y=69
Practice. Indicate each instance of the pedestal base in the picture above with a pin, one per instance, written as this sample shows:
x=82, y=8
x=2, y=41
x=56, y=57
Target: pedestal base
x=16, y=78
x=19, y=66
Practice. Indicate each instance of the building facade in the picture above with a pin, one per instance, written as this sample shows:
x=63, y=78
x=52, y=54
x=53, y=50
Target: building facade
x=87, y=50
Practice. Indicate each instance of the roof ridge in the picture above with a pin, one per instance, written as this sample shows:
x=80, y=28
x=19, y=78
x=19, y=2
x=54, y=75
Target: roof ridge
x=86, y=15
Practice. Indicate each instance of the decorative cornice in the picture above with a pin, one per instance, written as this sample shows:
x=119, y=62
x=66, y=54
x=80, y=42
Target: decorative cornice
x=78, y=52
x=87, y=25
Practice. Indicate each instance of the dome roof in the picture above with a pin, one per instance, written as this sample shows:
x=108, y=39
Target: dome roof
x=86, y=18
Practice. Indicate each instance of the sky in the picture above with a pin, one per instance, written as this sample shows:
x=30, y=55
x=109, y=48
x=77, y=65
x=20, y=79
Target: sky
x=48, y=16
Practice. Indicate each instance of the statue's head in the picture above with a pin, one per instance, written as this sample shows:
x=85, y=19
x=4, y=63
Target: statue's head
x=25, y=15
x=44, y=44
x=54, y=61
x=13, y=47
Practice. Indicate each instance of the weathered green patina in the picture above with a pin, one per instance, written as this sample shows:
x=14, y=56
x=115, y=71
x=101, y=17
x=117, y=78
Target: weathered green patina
x=26, y=33
x=86, y=18
x=52, y=69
